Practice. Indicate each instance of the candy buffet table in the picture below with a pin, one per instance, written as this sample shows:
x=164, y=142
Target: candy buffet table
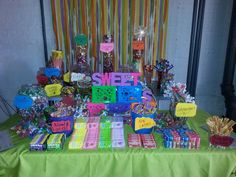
x=161, y=162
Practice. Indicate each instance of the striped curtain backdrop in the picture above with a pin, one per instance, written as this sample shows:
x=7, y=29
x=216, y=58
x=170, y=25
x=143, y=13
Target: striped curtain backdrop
x=95, y=18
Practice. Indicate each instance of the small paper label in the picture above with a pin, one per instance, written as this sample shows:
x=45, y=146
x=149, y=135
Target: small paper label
x=61, y=126
x=53, y=89
x=57, y=54
x=138, y=45
x=106, y=47
x=66, y=77
x=144, y=122
x=81, y=40
x=23, y=102
x=77, y=76
x=49, y=72
x=185, y=110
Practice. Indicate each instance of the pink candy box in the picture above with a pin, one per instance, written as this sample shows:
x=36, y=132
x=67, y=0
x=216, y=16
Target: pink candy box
x=95, y=108
x=93, y=122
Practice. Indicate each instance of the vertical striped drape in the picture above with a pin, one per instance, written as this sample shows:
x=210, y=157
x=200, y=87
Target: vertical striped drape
x=95, y=18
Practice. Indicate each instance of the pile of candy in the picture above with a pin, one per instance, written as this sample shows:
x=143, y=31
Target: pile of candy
x=62, y=110
x=165, y=120
x=181, y=138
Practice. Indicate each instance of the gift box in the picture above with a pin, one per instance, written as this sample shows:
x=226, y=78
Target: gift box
x=103, y=94
x=95, y=108
x=56, y=141
x=129, y=94
x=39, y=142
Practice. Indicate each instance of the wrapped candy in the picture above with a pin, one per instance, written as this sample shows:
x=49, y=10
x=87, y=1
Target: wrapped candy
x=38, y=98
x=138, y=48
x=31, y=102
x=107, y=48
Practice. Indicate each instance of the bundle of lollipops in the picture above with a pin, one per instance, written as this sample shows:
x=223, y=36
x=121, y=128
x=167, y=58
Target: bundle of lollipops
x=220, y=130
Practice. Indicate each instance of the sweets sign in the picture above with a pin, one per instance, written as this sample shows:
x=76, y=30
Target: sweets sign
x=115, y=79
x=104, y=88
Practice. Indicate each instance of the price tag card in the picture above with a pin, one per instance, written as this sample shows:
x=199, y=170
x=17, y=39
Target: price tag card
x=185, y=110
x=81, y=39
x=106, y=47
x=57, y=54
x=61, y=126
x=53, y=89
x=138, y=45
x=66, y=77
x=77, y=76
x=144, y=122
x=49, y=72
x=23, y=102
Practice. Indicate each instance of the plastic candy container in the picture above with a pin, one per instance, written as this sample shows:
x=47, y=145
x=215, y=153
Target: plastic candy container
x=62, y=120
x=144, y=115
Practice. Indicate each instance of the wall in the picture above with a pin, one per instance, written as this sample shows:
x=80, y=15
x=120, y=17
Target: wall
x=178, y=39
x=213, y=50
x=212, y=58
x=21, y=45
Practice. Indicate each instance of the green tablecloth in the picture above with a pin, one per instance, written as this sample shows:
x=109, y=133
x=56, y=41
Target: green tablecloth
x=161, y=162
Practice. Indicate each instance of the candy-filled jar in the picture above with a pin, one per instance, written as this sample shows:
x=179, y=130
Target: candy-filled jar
x=81, y=77
x=57, y=60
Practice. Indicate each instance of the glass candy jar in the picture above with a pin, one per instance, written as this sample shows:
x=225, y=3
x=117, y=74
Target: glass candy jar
x=81, y=77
